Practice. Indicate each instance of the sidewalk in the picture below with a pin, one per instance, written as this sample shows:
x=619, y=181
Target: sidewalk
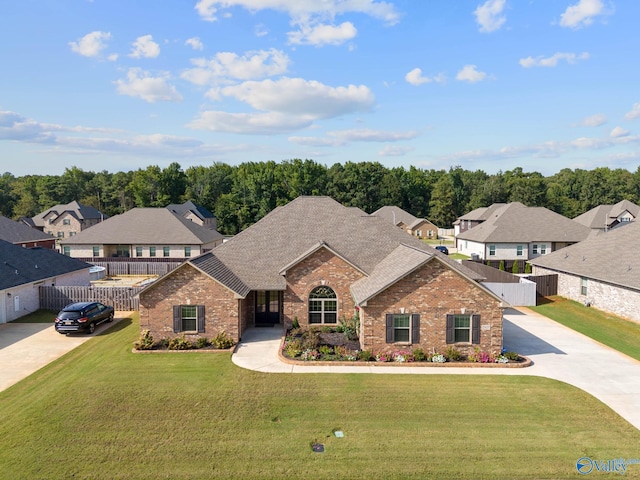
x=557, y=352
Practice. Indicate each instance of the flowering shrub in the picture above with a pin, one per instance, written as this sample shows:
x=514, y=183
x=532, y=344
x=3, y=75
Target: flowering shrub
x=402, y=356
x=438, y=358
x=502, y=359
x=309, y=354
x=384, y=357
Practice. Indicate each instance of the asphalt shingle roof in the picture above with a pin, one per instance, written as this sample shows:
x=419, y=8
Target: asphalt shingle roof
x=603, y=216
x=514, y=222
x=189, y=206
x=16, y=232
x=258, y=255
x=75, y=208
x=145, y=226
x=19, y=265
x=607, y=256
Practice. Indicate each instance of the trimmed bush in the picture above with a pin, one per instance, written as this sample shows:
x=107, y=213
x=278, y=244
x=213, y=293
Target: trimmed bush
x=145, y=342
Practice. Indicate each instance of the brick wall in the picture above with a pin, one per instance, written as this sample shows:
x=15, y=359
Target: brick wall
x=321, y=266
x=432, y=291
x=188, y=286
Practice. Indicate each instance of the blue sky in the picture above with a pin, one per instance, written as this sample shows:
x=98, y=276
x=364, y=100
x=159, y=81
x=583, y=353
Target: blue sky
x=492, y=85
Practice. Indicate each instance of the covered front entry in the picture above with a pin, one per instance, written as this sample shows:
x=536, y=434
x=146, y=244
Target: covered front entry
x=267, y=307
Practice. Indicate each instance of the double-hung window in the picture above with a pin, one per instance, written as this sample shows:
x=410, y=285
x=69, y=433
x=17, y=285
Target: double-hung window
x=323, y=305
x=152, y=251
x=403, y=328
x=519, y=250
x=165, y=251
x=188, y=318
x=463, y=328
x=96, y=251
x=138, y=251
x=583, y=286
x=535, y=249
x=492, y=250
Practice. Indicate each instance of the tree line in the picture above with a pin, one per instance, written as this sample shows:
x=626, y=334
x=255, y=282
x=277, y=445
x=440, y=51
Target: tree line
x=240, y=195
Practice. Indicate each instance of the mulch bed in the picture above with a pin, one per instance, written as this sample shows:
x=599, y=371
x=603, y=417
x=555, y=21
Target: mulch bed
x=335, y=339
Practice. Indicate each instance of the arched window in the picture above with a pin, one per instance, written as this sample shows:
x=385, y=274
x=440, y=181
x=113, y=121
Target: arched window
x=323, y=305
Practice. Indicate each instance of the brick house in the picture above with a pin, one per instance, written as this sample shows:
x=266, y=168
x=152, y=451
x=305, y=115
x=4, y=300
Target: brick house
x=317, y=261
x=65, y=221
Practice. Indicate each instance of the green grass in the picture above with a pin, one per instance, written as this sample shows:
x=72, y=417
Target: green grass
x=103, y=412
x=616, y=332
x=438, y=241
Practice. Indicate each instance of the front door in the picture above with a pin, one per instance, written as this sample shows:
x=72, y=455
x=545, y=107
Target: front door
x=267, y=307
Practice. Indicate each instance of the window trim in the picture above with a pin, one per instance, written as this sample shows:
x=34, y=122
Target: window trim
x=519, y=250
x=534, y=249
x=584, y=286
x=187, y=251
x=414, y=328
x=474, y=329
x=95, y=250
x=178, y=319
x=492, y=250
x=166, y=251
x=139, y=252
x=152, y=251
x=323, y=311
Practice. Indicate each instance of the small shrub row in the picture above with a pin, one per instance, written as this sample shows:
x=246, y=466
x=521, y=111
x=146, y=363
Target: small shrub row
x=220, y=341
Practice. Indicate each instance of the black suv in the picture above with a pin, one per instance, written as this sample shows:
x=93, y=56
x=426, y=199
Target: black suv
x=83, y=316
x=442, y=249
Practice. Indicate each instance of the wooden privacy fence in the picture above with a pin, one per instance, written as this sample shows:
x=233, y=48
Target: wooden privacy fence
x=133, y=268
x=546, y=285
x=121, y=298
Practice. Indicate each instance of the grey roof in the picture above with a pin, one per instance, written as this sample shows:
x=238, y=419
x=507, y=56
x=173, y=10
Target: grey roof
x=16, y=232
x=395, y=266
x=78, y=210
x=483, y=213
x=213, y=267
x=146, y=226
x=610, y=257
x=260, y=254
x=395, y=215
x=190, y=207
x=514, y=222
x=603, y=216
x=19, y=265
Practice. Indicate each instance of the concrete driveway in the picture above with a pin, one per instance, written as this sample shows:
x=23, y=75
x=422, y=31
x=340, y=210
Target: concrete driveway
x=27, y=347
x=557, y=352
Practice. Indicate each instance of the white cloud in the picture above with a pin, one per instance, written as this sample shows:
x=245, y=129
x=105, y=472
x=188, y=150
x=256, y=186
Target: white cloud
x=194, y=43
x=299, y=11
x=226, y=66
x=284, y=105
x=634, y=113
x=415, y=77
x=469, y=73
x=297, y=96
x=594, y=120
x=112, y=57
x=489, y=15
x=249, y=123
x=582, y=13
x=394, y=151
x=618, y=132
x=260, y=30
x=91, y=45
x=322, y=34
x=151, y=89
x=145, y=47
x=313, y=18
x=553, y=60
x=340, y=138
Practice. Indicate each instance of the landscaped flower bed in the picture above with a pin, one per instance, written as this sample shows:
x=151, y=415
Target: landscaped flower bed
x=327, y=344
x=146, y=343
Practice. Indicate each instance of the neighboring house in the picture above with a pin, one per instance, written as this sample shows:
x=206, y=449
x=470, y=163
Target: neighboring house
x=418, y=227
x=317, y=262
x=603, y=271
x=516, y=232
x=474, y=218
x=20, y=234
x=23, y=270
x=196, y=214
x=64, y=221
x=605, y=217
x=143, y=233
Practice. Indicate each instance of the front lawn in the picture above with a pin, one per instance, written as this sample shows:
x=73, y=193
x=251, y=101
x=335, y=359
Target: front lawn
x=623, y=335
x=103, y=412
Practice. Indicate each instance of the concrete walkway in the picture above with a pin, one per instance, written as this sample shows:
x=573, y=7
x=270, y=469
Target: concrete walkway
x=557, y=352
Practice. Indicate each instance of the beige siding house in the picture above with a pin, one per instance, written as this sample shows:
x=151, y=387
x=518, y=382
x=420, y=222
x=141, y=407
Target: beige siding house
x=316, y=261
x=24, y=270
x=605, y=217
x=418, y=227
x=514, y=231
x=143, y=233
x=602, y=271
